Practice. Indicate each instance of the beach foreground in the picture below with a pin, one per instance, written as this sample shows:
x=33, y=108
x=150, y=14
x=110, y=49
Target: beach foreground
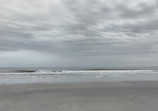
x=104, y=96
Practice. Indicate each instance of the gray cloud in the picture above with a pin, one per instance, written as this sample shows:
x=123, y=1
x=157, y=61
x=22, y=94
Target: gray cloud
x=80, y=28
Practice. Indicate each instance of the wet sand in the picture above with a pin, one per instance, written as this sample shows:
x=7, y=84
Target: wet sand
x=105, y=96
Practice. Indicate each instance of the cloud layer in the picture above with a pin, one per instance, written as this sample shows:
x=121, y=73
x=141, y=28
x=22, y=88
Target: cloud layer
x=71, y=31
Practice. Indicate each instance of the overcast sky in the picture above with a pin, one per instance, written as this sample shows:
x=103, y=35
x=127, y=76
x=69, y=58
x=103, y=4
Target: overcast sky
x=79, y=33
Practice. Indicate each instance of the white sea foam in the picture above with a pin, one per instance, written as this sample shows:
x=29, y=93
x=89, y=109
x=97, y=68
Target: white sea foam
x=85, y=72
x=78, y=76
x=43, y=71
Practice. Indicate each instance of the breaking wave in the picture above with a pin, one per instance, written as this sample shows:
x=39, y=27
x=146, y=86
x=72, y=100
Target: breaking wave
x=44, y=71
x=107, y=72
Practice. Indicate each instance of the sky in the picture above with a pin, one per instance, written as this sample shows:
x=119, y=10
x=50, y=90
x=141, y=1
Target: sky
x=78, y=33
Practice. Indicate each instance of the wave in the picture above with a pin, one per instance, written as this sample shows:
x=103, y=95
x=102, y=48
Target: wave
x=24, y=71
x=77, y=71
x=43, y=71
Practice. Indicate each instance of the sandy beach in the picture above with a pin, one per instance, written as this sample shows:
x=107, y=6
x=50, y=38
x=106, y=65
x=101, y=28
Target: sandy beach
x=104, y=96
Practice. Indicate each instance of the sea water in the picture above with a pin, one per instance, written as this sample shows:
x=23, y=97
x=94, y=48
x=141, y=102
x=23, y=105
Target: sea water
x=64, y=75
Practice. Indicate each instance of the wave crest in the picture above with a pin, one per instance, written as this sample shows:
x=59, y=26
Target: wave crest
x=43, y=71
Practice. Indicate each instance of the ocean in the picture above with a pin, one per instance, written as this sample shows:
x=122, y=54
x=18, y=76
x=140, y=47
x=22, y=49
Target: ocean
x=71, y=74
